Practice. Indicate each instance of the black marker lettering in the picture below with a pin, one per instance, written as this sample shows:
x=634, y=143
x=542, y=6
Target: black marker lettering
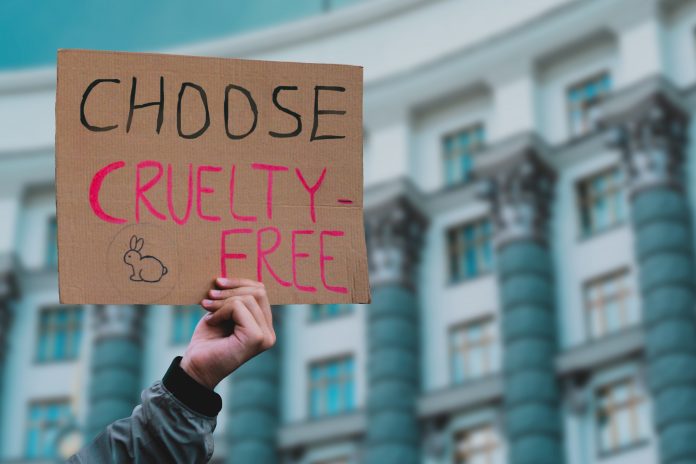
x=133, y=106
x=318, y=112
x=252, y=106
x=204, y=99
x=83, y=118
x=297, y=117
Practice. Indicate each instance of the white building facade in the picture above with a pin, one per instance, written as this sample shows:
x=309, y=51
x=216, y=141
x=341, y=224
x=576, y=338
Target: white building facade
x=486, y=124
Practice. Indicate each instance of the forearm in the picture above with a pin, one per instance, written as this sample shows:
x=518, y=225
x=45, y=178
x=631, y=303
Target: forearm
x=174, y=423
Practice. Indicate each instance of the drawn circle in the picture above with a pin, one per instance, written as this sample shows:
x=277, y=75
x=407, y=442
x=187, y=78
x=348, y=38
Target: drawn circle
x=142, y=263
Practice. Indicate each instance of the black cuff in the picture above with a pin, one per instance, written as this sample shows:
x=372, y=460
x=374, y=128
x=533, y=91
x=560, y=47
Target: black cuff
x=194, y=395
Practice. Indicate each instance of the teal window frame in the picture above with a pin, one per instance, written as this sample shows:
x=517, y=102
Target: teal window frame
x=59, y=334
x=470, y=250
x=45, y=421
x=583, y=100
x=331, y=385
x=322, y=312
x=602, y=201
x=458, y=150
x=52, y=243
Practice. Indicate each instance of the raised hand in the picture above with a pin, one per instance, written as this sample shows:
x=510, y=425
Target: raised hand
x=238, y=326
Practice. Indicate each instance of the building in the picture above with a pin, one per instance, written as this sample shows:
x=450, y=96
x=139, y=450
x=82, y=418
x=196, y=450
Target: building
x=529, y=198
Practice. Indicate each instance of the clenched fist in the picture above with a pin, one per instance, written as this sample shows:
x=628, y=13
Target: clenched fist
x=238, y=326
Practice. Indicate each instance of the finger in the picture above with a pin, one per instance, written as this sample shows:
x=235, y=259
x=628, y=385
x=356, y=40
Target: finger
x=228, y=312
x=216, y=294
x=212, y=305
x=236, y=311
x=234, y=282
x=257, y=292
x=258, y=313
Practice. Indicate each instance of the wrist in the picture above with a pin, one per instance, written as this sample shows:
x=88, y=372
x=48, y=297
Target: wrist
x=190, y=369
x=194, y=395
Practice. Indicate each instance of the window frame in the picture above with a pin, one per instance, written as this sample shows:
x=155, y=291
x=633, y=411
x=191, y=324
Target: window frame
x=627, y=294
x=450, y=248
x=487, y=321
x=582, y=84
x=478, y=128
x=60, y=400
x=51, y=243
x=310, y=385
x=490, y=448
x=639, y=399
x=346, y=310
x=75, y=344
x=584, y=201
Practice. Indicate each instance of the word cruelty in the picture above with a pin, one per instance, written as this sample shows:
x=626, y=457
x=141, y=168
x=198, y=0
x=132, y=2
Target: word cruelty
x=148, y=174
x=178, y=169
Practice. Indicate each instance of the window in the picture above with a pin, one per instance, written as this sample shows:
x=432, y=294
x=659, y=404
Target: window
x=584, y=100
x=52, y=243
x=333, y=461
x=44, y=422
x=473, y=351
x=602, y=201
x=609, y=304
x=470, y=250
x=320, y=312
x=476, y=446
x=458, y=149
x=60, y=333
x=184, y=321
x=331, y=386
x=622, y=417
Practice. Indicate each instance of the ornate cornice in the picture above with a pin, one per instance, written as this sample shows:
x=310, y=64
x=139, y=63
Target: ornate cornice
x=395, y=228
x=516, y=179
x=112, y=321
x=648, y=124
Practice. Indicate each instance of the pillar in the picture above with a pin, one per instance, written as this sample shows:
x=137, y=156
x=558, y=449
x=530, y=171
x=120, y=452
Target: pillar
x=254, y=406
x=519, y=186
x=116, y=365
x=8, y=291
x=649, y=128
x=394, y=234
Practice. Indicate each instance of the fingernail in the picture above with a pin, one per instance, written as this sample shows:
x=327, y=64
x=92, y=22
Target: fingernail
x=223, y=281
x=206, y=302
x=215, y=292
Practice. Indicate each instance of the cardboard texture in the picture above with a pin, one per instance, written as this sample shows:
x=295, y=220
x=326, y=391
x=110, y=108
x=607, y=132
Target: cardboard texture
x=173, y=170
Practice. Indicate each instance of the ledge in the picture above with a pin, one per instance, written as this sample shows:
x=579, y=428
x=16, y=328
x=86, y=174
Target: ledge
x=599, y=352
x=385, y=194
x=471, y=394
x=321, y=430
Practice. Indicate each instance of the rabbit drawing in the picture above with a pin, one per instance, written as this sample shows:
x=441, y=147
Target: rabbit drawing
x=144, y=268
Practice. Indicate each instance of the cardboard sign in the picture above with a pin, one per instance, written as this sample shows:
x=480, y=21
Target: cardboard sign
x=172, y=170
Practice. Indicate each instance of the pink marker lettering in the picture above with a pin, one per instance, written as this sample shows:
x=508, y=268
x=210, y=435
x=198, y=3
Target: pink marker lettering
x=95, y=187
x=141, y=189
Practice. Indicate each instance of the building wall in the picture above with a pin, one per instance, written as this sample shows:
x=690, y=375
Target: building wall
x=430, y=68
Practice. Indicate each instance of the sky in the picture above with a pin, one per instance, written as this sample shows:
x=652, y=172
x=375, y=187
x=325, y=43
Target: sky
x=32, y=30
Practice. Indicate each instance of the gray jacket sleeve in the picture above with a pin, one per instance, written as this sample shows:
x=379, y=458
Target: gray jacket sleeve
x=171, y=425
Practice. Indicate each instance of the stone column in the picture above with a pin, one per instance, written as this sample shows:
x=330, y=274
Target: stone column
x=254, y=406
x=519, y=186
x=116, y=365
x=394, y=233
x=649, y=127
x=8, y=291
